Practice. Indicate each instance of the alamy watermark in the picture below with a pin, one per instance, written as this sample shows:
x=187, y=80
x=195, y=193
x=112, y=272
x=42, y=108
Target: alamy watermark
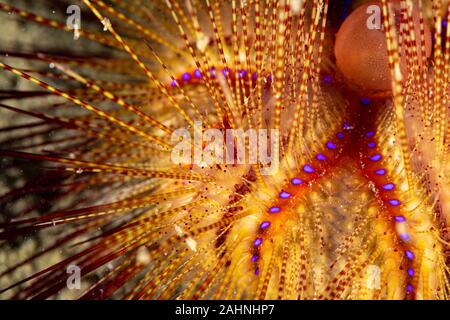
x=73, y=281
x=373, y=277
x=374, y=19
x=208, y=147
x=73, y=21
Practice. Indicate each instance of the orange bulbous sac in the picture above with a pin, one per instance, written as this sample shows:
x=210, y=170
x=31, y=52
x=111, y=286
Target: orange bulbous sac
x=361, y=48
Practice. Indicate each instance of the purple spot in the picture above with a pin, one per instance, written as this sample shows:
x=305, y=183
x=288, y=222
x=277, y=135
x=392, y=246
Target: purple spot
x=404, y=236
x=340, y=135
x=198, y=74
x=409, y=288
x=328, y=79
x=370, y=134
x=284, y=195
x=400, y=219
x=255, y=258
x=308, y=169
x=375, y=157
x=365, y=101
x=257, y=242
x=411, y=272
x=331, y=145
x=212, y=73
x=321, y=157
x=371, y=145
x=173, y=83
x=389, y=186
x=380, y=172
x=186, y=76
x=257, y=271
x=225, y=72
x=347, y=126
x=274, y=210
x=265, y=225
x=394, y=202
x=296, y=181
x=255, y=76
x=242, y=73
x=409, y=254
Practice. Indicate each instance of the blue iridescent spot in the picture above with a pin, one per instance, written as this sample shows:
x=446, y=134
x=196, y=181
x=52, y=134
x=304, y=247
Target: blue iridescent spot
x=173, y=83
x=340, y=135
x=380, y=172
x=296, y=181
x=371, y=145
x=405, y=236
x=347, y=126
x=308, y=169
x=365, y=101
x=331, y=145
x=328, y=79
x=274, y=210
x=321, y=157
x=257, y=242
x=186, y=76
x=375, y=157
x=284, y=195
x=370, y=134
x=409, y=254
x=409, y=288
x=411, y=272
x=265, y=225
x=243, y=73
x=255, y=76
x=198, y=74
x=389, y=186
x=255, y=258
x=257, y=271
x=400, y=219
x=394, y=202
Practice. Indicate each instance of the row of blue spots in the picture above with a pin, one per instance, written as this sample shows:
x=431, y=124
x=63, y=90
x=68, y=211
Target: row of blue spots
x=286, y=195
x=393, y=202
x=296, y=181
x=258, y=241
x=328, y=79
x=198, y=75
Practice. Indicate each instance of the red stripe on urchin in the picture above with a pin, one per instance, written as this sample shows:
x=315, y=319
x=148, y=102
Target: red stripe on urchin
x=290, y=194
x=387, y=194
